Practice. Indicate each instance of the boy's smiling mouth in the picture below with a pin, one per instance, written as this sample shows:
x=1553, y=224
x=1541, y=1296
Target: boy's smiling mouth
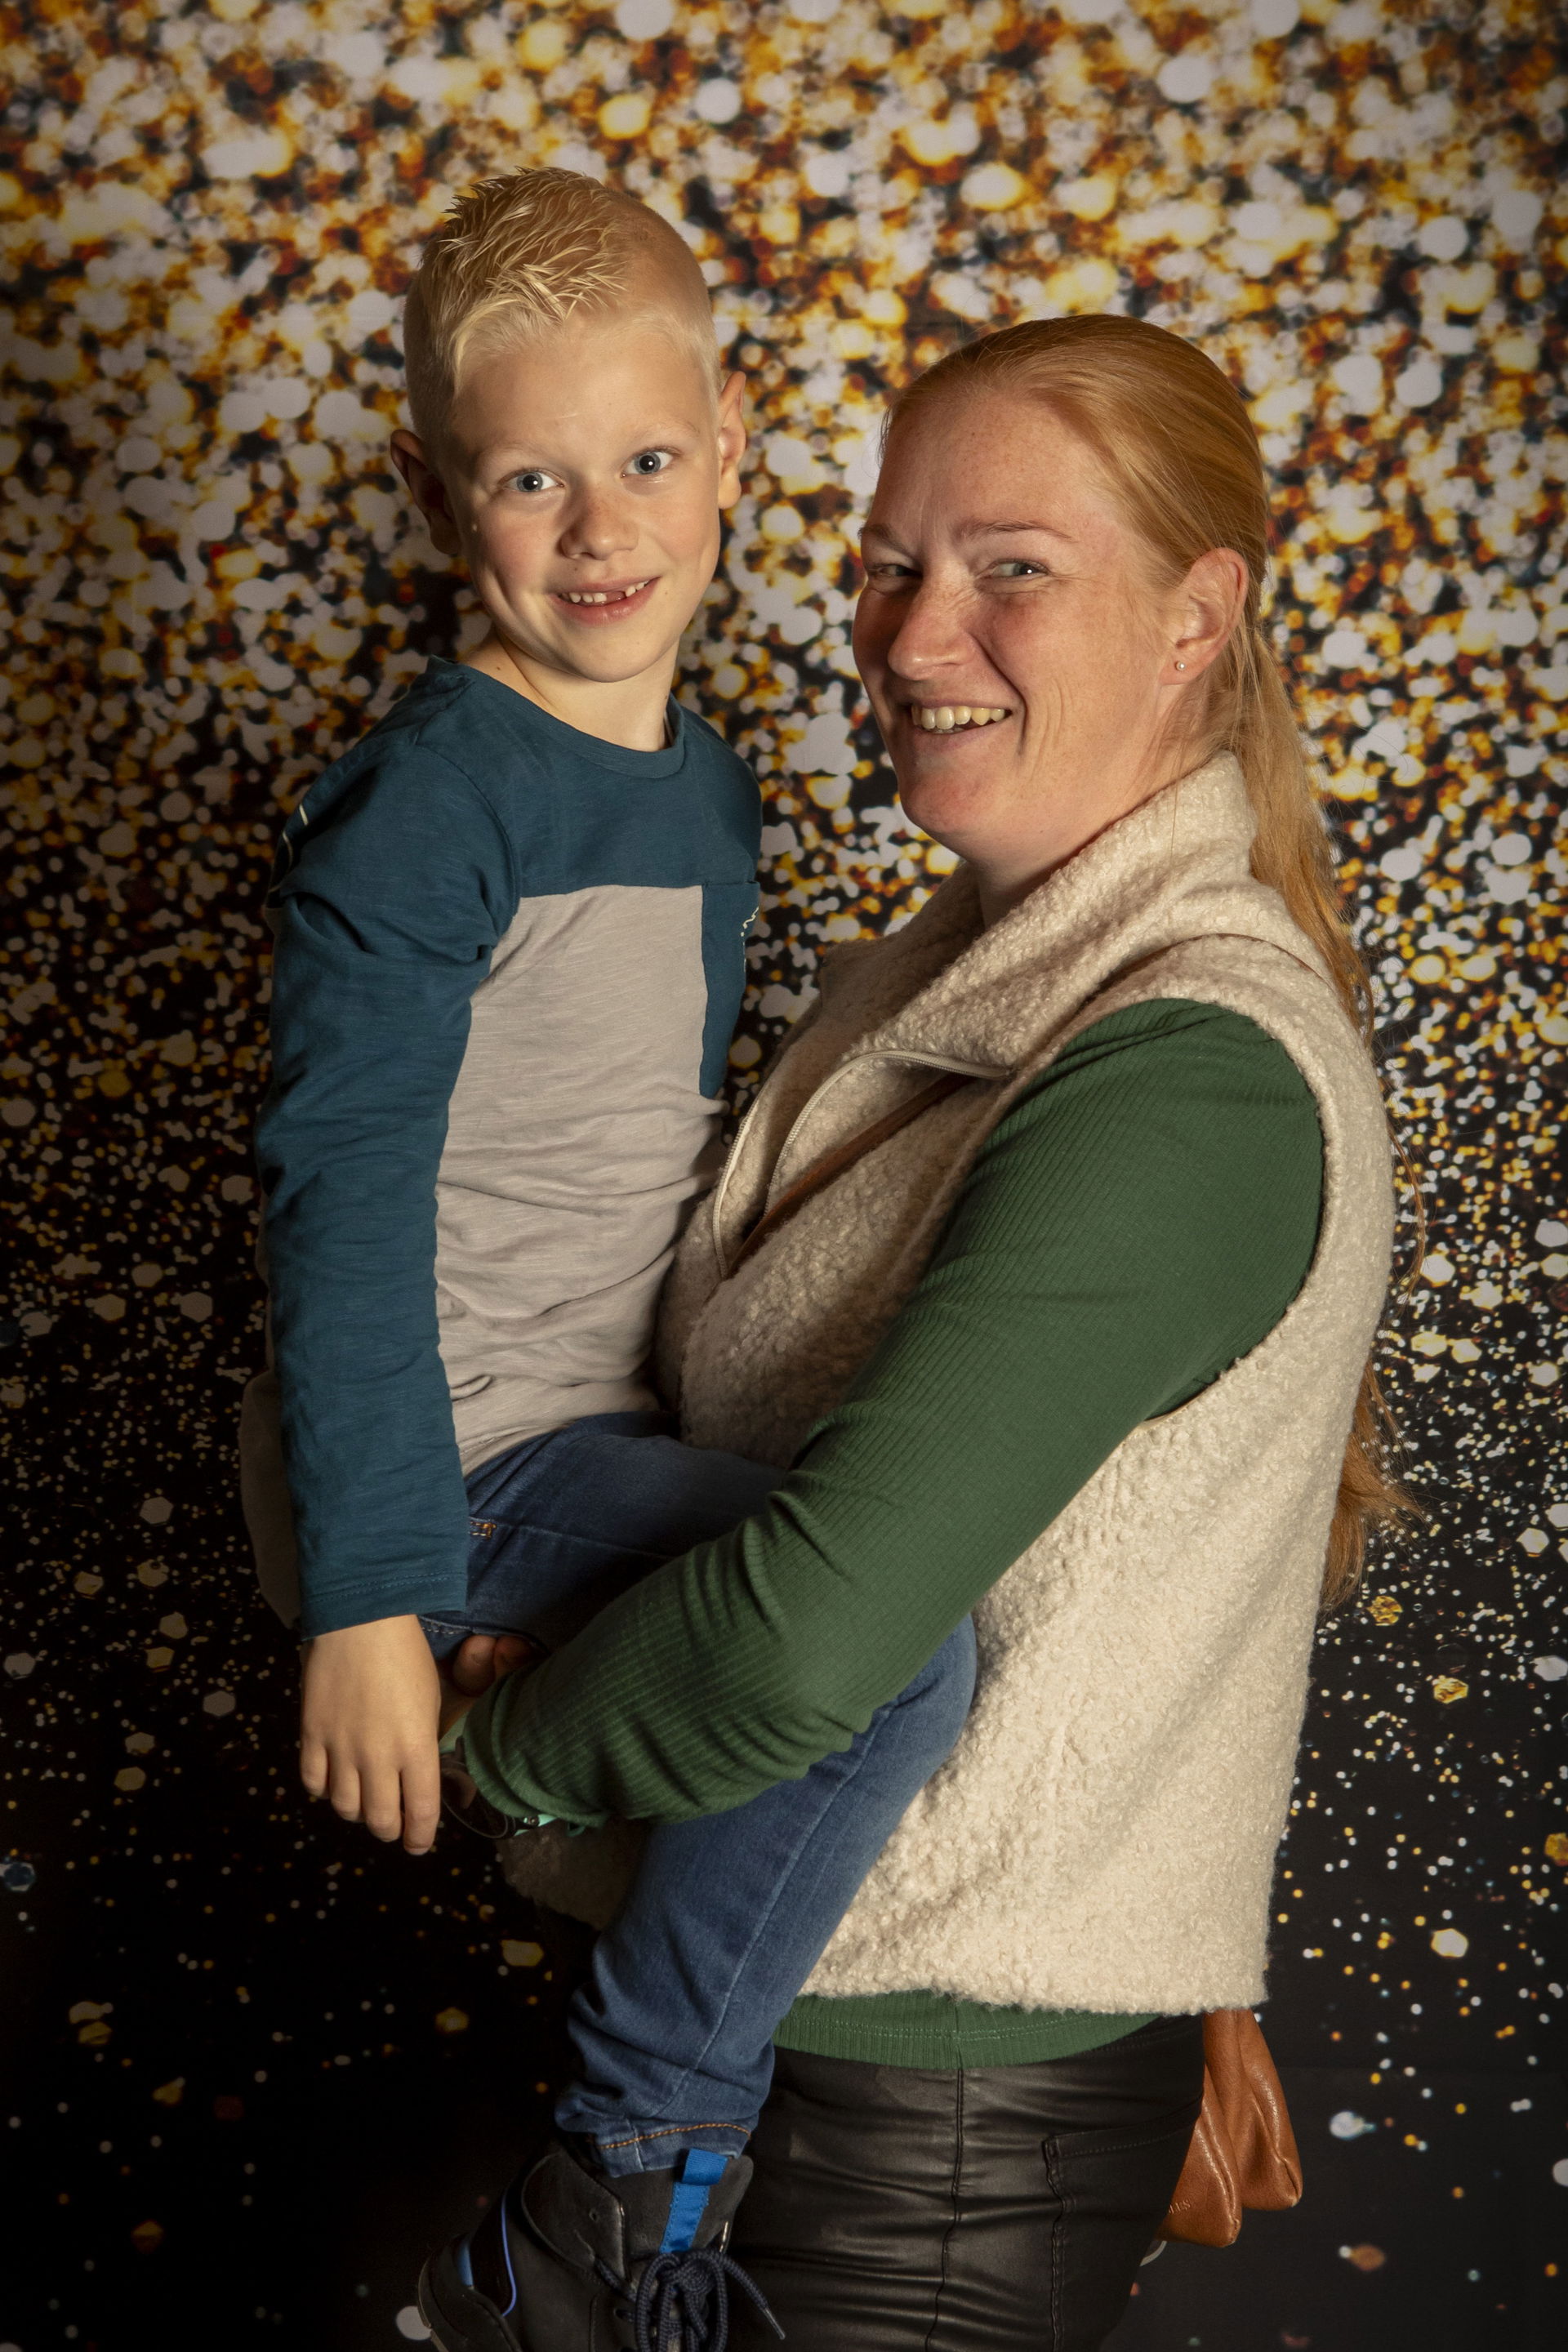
x=610, y=600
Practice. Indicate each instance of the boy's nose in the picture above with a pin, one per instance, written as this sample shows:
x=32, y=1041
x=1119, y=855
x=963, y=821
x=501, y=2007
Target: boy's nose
x=598, y=525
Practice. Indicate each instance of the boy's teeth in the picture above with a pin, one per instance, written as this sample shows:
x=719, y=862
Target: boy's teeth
x=943, y=717
x=602, y=595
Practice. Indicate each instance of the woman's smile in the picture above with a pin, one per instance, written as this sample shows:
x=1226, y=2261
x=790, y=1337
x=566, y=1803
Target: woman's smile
x=953, y=718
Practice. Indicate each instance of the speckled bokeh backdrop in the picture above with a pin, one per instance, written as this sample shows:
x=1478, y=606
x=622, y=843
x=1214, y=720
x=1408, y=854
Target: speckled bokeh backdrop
x=263, y=2062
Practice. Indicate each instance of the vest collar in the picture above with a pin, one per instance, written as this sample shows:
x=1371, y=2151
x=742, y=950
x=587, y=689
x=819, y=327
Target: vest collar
x=1175, y=868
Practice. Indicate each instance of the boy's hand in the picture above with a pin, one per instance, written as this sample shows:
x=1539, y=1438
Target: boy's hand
x=368, y=1722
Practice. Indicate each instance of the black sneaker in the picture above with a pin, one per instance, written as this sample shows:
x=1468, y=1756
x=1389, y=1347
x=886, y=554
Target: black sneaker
x=572, y=2261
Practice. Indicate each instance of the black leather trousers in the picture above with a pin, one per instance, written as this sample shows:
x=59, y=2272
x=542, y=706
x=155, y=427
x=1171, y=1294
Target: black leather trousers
x=897, y=2208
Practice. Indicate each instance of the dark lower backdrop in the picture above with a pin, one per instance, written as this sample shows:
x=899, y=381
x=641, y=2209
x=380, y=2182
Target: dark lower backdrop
x=255, y=2064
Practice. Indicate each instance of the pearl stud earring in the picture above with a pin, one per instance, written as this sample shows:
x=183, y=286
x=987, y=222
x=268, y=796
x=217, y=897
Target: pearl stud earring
x=1181, y=664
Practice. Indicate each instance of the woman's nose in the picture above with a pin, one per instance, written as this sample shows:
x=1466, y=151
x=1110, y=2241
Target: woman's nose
x=930, y=635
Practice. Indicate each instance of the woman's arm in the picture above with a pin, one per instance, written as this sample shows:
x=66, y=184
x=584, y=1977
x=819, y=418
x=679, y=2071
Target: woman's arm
x=1139, y=1219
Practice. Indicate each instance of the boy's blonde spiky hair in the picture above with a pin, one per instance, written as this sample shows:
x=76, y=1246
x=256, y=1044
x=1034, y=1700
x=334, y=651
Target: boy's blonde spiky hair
x=520, y=255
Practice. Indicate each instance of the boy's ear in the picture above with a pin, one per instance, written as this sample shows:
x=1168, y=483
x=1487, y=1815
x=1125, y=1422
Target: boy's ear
x=426, y=490
x=731, y=438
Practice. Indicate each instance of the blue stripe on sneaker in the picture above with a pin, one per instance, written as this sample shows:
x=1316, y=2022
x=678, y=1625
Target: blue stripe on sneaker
x=698, y=2171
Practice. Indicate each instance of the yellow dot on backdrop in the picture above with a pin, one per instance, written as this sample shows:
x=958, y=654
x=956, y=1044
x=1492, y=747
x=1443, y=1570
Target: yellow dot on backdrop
x=1089, y=199
x=852, y=340
x=1086, y=285
x=730, y=680
x=934, y=143
x=1516, y=354
x=884, y=308
x=994, y=187
x=781, y=522
x=780, y=224
x=625, y=117
x=1469, y=289
x=543, y=45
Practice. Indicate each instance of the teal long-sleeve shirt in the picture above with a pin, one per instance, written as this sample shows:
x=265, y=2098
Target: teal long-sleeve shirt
x=1139, y=1219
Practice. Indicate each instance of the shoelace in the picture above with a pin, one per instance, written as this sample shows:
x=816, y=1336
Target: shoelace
x=683, y=2301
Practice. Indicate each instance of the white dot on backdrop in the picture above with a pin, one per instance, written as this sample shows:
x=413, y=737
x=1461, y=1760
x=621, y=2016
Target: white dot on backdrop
x=1551, y=1670
x=1272, y=19
x=1187, y=78
x=1516, y=214
x=1359, y=379
x=1344, y=649
x=218, y=1703
x=645, y=20
x=359, y=55
x=718, y=100
x=827, y=173
x=409, y=2324
x=1512, y=849
x=1559, y=2173
x=1402, y=865
x=1419, y=384
x=1443, y=239
x=156, y=1509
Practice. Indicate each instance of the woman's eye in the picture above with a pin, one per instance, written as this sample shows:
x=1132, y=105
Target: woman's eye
x=1018, y=567
x=531, y=482
x=652, y=461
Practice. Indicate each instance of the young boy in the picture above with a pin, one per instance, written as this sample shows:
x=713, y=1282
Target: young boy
x=510, y=955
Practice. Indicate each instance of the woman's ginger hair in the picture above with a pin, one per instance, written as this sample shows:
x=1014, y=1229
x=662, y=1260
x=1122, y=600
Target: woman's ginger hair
x=1176, y=447
x=531, y=251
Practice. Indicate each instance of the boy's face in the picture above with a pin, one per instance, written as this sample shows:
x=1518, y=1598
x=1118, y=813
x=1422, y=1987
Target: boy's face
x=591, y=463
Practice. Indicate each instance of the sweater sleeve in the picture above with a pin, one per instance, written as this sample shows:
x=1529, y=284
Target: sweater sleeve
x=391, y=904
x=1139, y=1220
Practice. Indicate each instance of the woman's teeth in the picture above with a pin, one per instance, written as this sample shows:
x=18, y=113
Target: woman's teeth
x=943, y=717
x=603, y=595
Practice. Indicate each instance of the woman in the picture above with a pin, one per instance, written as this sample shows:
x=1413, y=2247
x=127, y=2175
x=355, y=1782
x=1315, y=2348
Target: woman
x=1047, y=1264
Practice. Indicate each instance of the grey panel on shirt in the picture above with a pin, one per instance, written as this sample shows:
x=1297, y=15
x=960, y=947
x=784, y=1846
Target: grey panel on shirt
x=577, y=1141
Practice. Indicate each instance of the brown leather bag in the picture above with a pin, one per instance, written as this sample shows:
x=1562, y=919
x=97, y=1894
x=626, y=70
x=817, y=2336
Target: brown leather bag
x=1243, y=2155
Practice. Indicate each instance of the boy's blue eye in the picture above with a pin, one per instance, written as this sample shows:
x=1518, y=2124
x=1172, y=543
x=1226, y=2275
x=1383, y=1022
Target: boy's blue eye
x=651, y=461
x=533, y=480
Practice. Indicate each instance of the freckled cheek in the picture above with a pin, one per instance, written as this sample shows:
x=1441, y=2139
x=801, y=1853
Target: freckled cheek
x=505, y=549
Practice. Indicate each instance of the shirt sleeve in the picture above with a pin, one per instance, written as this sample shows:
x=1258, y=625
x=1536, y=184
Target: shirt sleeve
x=385, y=921
x=1139, y=1220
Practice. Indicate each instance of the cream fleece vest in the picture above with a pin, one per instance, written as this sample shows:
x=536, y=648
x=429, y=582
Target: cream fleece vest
x=1102, y=1836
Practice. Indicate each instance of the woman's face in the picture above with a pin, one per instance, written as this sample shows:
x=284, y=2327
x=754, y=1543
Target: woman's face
x=1020, y=657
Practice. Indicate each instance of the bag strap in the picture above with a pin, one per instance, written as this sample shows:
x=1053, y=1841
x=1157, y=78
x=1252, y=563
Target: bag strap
x=844, y=1155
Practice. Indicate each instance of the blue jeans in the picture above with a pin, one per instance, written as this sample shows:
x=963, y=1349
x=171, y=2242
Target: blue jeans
x=728, y=1914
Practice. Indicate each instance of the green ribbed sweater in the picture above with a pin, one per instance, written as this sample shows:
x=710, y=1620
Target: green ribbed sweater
x=1139, y=1219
